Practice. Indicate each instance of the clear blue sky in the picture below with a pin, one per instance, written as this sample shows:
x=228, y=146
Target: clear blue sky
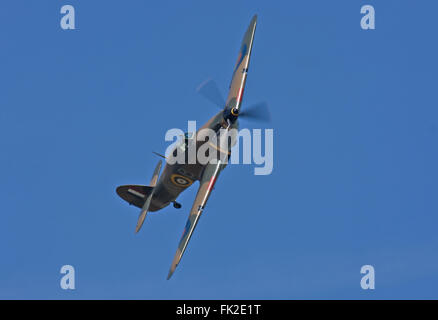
x=355, y=124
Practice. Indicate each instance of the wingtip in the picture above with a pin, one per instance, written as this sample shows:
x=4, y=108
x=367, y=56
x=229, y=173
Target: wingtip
x=170, y=274
x=172, y=269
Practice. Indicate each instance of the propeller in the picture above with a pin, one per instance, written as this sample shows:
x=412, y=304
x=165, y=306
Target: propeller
x=257, y=112
x=209, y=90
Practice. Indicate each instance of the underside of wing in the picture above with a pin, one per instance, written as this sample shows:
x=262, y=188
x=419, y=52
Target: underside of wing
x=208, y=180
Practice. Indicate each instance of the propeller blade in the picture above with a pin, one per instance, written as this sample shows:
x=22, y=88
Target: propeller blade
x=257, y=112
x=209, y=90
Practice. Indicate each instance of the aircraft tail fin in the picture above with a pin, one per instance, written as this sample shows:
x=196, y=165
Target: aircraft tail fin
x=147, y=203
x=140, y=196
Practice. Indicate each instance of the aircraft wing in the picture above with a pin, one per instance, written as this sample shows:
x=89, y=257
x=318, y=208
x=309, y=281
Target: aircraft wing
x=207, y=182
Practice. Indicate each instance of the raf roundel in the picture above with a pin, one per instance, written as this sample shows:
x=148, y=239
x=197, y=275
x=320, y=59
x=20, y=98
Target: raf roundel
x=180, y=180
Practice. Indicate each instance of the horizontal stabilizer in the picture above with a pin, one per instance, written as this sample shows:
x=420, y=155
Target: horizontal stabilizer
x=134, y=194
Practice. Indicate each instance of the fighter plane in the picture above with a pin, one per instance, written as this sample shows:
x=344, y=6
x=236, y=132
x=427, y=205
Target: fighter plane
x=177, y=177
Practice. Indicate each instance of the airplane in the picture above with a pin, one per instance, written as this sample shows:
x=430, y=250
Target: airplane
x=175, y=178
